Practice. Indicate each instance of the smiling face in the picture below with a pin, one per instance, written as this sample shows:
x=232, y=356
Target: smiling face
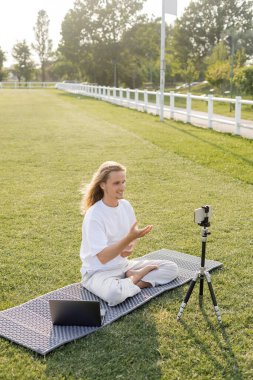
x=114, y=188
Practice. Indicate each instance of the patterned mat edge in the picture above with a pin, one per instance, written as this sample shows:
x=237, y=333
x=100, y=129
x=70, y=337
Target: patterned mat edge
x=45, y=352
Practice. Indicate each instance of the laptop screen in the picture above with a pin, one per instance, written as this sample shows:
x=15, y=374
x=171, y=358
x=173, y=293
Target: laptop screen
x=76, y=313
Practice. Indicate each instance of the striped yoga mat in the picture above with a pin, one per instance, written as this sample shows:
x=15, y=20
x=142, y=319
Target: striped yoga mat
x=30, y=324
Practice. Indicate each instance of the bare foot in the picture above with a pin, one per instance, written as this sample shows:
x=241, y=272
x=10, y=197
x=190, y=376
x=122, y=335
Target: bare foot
x=143, y=284
x=137, y=275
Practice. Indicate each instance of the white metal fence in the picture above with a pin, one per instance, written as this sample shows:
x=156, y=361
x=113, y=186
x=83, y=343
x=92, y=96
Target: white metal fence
x=149, y=101
x=32, y=85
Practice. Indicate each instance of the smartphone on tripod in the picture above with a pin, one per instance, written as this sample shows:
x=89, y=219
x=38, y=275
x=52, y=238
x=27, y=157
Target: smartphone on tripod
x=203, y=215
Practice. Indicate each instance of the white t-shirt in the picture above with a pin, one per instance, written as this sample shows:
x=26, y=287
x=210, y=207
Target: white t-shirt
x=102, y=227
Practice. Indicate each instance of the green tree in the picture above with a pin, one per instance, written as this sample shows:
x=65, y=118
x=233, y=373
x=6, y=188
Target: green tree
x=140, y=54
x=91, y=35
x=24, y=67
x=190, y=74
x=218, y=74
x=240, y=58
x=2, y=60
x=218, y=70
x=43, y=44
x=63, y=69
x=219, y=53
x=203, y=26
x=244, y=79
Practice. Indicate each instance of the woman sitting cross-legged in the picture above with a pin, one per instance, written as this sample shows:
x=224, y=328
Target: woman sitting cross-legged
x=109, y=235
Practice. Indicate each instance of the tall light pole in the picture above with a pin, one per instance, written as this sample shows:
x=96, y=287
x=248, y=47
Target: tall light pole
x=168, y=6
x=162, y=62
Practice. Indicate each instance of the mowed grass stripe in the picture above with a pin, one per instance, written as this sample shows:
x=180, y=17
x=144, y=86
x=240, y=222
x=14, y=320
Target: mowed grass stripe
x=51, y=140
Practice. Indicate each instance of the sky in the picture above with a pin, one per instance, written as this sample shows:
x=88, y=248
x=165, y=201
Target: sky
x=18, y=17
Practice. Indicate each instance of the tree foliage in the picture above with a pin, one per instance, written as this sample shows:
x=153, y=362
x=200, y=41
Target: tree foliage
x=218, y=74
x=43, y=44
x=108, y=42
x=190, y=74
x=218, y=53
x=2, y=60
x=24, y=67
x=204, y=24
x=244, y=79
x=91, y=36
x=141, y=50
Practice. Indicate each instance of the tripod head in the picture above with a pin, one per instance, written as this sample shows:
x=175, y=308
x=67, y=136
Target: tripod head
x=202, y=216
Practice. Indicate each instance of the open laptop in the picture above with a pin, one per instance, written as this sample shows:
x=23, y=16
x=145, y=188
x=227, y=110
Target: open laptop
x=76, y=313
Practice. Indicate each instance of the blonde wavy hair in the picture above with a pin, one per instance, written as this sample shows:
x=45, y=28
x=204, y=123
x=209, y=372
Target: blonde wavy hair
x=93, y=191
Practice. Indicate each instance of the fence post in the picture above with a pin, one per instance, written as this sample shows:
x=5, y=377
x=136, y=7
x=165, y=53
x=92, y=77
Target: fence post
x=210, y=111
x=238, y=106
x=188, y=107
x=120, y=96
x=157, y=111
x=114, y=94
x=172, y=104
x=136, y=98
x=128, y=97
x=145, y=100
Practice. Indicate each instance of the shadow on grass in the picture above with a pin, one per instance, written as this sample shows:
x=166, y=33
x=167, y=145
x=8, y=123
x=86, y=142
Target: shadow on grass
x=231, y=369
x=225, y=346
x=126, y=349
x=216, y=146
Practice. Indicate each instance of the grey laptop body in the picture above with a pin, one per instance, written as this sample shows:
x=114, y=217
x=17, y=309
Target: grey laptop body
x=76, y=313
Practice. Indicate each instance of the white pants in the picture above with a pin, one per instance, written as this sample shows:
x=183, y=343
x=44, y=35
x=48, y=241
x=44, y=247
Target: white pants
x=113, y=286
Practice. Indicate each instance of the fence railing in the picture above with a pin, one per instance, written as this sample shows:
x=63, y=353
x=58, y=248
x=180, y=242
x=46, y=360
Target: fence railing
x=32, y=85
x=149, y=101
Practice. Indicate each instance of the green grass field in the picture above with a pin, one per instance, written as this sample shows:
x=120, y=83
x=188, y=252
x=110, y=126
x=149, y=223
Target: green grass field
x=50, y=141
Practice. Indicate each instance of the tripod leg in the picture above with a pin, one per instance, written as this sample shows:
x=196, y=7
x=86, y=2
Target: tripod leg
x=188, y=294
x=210, y=286
x=203, y=258
x=201, y=285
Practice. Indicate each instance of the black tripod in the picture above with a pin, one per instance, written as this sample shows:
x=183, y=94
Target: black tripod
x=202, y=272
